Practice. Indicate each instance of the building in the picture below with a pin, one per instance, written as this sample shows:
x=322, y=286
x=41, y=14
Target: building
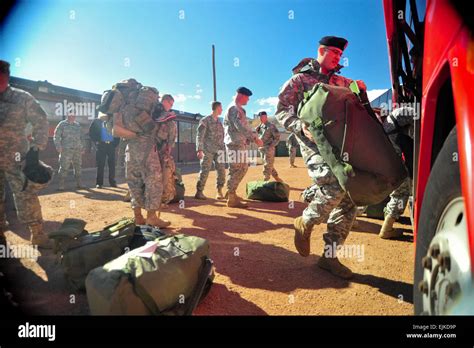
x=57, y=100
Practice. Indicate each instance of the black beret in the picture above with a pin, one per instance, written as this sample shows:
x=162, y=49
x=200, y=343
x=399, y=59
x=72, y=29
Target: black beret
x=334, y=41
x=262, y=113
x=244, y=91
x=4, y=67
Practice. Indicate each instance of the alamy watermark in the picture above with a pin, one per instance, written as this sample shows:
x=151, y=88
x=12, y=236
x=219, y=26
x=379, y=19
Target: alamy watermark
x=77, y=109
x=345, y=251
x=238, y=156
x=19, y=251
x=412, y=109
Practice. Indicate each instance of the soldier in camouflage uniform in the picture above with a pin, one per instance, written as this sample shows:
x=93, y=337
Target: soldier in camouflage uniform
x=210, y=148
x=270, y=136
x=292, y=145
x=330, y=202
x=399, y=121
x=237, y=138
x=68, y=140
x=144, y=177
x=18, y=109
x=166, y=137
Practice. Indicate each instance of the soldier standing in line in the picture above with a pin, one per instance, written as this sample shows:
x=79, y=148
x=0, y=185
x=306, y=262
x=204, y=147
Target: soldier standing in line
x=292, y=145
x=330, y=202
x=209, y=145
x=238, y=135
x=270, y=136
x=17, y=109
x=68, y=140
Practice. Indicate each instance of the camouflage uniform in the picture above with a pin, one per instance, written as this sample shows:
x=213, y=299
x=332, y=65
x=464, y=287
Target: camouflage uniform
x=166, y=137
x=291, y=144
x=238, y=135
x=143, y=172
x=68, y=137
x=17, y=109
x=210, y=140
x=330, y=203
x=399, y=197
x=270, y=137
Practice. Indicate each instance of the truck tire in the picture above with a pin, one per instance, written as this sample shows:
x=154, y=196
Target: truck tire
x=442, y=261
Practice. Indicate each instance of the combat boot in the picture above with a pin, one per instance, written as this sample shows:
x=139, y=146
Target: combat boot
x=277, y=178
x=293, y=166
x=302, y=236
x=334, y=266
x=61, y=184
x=38, y=237
x=139, y=219
x=234, y=202
x=200, y=195
x=220, y=195
x=387, y=231
x=266, y=178
x=154, y=220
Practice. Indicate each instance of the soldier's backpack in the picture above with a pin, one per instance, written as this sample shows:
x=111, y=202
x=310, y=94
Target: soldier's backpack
x=352, y=143
x=179, y=186
x=270, y=191
x=80, y=251
x=376, y=211
x=165, y=277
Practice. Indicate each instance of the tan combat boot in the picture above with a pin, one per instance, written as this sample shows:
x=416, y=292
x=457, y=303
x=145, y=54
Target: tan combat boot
x=38, y=237
x=333, y=265
x=139, y=219
x=234, y=202
x=153, y=219
x=387, y=231
x=302, y=236
x=277, y=178
x=219, y=194
x=200, y=195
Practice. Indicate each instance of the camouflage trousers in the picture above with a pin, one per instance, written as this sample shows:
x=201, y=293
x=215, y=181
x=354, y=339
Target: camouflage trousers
x=330, y=204
x=27, y=203
x=66, y=157
x=121, y=153
x=168, y=168
x=143, y=174
x=292, y=152
x=206, y=166
x=398, y=200
x=268, y=156
x=238, y=166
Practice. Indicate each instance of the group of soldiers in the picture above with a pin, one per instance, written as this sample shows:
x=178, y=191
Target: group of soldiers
x=146, y=156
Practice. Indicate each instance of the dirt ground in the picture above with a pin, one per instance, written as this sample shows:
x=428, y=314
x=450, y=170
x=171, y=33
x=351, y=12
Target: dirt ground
x=258, y=271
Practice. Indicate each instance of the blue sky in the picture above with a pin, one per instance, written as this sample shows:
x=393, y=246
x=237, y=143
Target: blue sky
x=90, y=45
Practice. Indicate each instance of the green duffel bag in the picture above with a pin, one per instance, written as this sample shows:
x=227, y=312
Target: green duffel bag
x=80, y=251
x=165, y=277
x=270, y=191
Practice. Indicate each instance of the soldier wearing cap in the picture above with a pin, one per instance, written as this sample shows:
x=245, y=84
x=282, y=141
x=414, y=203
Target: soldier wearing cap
x=330, y=203
x=238, y=135
x=17, y=109
x=292, y=145
x=270, y=136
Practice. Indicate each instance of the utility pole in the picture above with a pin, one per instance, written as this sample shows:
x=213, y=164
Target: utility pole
x=214, y=71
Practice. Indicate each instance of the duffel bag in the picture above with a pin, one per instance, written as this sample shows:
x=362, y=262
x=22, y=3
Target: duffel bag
x=270, y=191
x=167, y=276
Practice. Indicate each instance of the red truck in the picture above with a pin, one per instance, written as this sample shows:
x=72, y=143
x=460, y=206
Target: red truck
x=431, y=51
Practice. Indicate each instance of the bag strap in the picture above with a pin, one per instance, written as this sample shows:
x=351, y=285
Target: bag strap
x=145, y=296
x=199, y=288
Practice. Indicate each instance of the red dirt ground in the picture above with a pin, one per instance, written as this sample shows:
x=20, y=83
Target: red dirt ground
x=258, y=271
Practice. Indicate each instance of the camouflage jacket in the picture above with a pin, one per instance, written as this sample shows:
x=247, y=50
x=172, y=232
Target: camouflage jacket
x=292, y=93
x=236, y=127
x=17, y=110
x=291, y=141
x=68, y=136
x=210, y=135
x=269, y=134
x=400, y=120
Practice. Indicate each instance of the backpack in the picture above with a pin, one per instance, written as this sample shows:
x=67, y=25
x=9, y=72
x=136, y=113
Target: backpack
x=353, y=143
x=270, y=191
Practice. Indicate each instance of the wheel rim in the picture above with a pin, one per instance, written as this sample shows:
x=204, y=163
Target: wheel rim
x=447, y=268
